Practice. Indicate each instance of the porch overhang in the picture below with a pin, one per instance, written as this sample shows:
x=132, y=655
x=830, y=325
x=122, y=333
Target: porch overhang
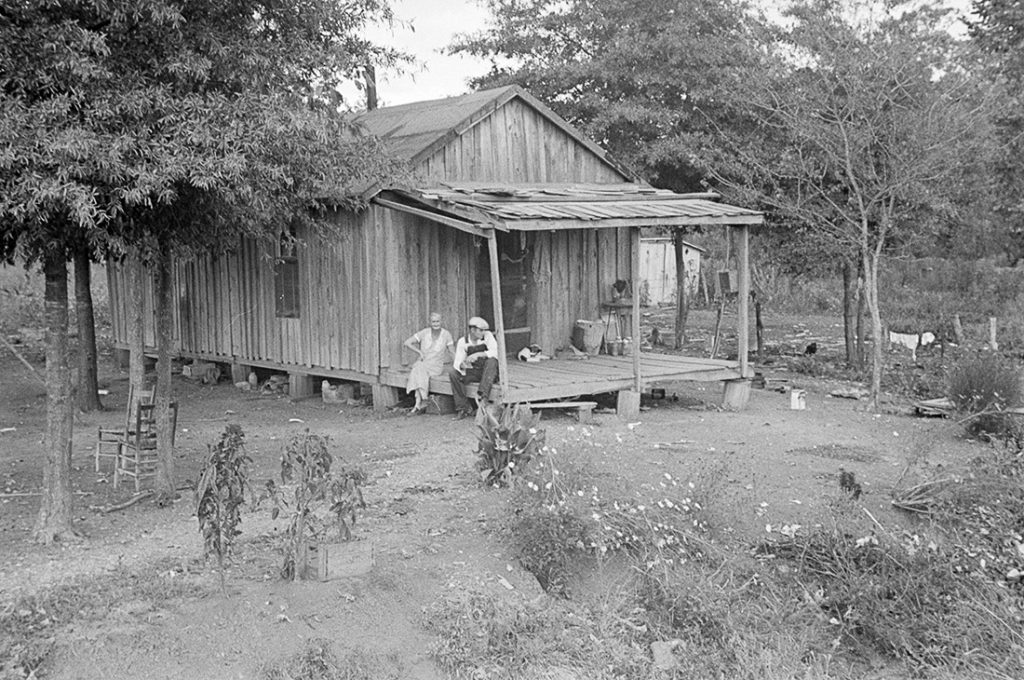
x=482, y=209
x=559, y=207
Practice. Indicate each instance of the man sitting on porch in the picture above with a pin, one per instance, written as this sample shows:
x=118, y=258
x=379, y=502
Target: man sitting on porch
x=476, y=360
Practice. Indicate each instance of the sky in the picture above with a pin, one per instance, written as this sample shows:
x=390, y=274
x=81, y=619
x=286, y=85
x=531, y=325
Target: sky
x=424, y=28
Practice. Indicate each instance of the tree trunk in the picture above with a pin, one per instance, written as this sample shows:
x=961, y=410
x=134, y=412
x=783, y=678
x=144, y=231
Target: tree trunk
x=54, y=520
x=758, y=328
x=164, y=484
x=87, y=394
x=850, y=325
x=682, y=289
x=717, y=339
x=871, y=289
x=861, y=330
x=958, y=330
x=137, y=341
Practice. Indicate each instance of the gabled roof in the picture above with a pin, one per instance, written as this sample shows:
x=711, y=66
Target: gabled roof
x=476, y=207
x=415, y=131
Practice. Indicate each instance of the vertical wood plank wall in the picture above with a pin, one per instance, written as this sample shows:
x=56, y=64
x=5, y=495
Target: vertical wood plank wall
x=572, y=273
x=225, y=305
x=517, y=144
x=375, y=281
x=428, y=267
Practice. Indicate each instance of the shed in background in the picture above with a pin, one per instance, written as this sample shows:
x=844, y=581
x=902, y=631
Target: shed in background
x=658, y=268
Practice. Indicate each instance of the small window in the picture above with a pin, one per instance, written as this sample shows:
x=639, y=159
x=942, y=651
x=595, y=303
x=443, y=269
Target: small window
x=286, y=280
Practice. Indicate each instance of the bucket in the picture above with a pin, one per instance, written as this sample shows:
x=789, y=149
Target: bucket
x=586, y=336
x=798, y=400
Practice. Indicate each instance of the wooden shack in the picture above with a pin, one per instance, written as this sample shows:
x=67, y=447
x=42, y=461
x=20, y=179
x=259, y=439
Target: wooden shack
x=514, y=216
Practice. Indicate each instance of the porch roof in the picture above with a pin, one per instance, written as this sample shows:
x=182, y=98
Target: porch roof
x=557, y=207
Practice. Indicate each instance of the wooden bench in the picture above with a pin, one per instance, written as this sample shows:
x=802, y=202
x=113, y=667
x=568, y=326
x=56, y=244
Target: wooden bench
x=584, y=409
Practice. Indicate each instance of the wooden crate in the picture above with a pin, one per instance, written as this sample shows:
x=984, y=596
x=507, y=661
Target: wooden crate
x=327, y=561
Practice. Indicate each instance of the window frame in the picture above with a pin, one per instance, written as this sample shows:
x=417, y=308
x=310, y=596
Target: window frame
x=287, y=283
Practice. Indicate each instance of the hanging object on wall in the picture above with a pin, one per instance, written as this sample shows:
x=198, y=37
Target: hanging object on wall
x=727, y=281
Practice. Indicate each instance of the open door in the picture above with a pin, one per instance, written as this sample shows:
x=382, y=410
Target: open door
x=513, y=269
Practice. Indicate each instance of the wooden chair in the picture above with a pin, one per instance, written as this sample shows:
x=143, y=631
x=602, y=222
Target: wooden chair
x=137, y=458
x=108, y=439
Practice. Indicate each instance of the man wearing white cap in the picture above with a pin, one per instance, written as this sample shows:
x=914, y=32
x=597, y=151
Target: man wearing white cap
x=476, y=360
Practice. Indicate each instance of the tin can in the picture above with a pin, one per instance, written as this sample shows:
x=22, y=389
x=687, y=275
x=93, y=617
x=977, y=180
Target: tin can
x=798, y=400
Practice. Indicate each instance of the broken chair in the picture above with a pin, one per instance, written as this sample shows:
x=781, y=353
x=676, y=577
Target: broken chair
x=109, y=439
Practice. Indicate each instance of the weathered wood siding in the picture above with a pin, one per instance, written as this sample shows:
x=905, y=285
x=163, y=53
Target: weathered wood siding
x=424, y=267
x=572, y=270
x=572, y=273
x=374, y=283
x=225, y=304
x=517, y=144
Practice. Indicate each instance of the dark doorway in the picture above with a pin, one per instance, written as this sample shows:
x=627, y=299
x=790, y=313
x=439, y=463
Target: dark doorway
x=513, y=268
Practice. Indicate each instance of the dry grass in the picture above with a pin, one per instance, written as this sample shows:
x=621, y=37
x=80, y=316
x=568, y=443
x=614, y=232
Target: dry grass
x=31, y=626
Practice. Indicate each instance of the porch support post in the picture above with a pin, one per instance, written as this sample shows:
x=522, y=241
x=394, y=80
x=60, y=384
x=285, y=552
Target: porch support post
x=743, y=311
x=499, y=314
x=634, y=244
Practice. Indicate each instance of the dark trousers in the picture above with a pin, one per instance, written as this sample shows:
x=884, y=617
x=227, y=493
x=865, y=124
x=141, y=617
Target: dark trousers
x=483, y=372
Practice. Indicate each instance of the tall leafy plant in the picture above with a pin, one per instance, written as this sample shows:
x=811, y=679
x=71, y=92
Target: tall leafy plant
x=221, y=492
x=506, y=439
x=318, y=495
x=983, y=388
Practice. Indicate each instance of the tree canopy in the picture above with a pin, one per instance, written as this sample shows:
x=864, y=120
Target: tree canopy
x=875, y=123
x=998, y=30
x=135, y=105
x=643, y=78
x=162, y=126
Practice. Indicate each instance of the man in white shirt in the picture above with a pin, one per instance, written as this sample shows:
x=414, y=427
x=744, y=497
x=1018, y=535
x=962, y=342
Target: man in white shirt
x=476, y=360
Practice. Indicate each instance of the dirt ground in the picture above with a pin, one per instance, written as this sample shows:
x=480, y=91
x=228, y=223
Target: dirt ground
x=429, y=523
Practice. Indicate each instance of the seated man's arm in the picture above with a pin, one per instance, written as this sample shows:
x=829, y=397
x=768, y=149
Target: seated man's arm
x=492, y=346
x=460, y=356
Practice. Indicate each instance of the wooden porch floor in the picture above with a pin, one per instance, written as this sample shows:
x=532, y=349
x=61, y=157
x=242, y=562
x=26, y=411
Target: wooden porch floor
x=565, y=378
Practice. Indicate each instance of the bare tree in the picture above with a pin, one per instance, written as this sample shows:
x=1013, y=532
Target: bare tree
x=873, y=116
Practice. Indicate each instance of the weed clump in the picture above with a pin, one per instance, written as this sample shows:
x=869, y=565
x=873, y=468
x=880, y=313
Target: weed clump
x=982, y=512
x=904, y=601
x=317, y=661
x=485, y=635
x=549, y=544
x=982, y=388
x=559, y=520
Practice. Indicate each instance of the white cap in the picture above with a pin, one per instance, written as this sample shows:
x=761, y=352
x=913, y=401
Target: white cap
x=477, y=322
